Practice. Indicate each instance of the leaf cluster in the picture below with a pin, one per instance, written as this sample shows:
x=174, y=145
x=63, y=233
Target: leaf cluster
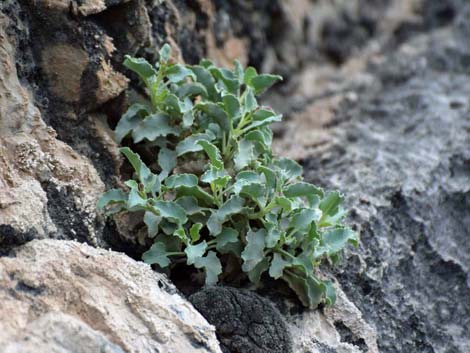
x=239, y=201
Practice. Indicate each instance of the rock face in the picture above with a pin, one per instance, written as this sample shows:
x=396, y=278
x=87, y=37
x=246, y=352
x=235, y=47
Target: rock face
x=245, y=321
x=69, y=297
x=394, y=135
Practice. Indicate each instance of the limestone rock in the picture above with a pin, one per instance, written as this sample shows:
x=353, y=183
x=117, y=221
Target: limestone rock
x=116, y=302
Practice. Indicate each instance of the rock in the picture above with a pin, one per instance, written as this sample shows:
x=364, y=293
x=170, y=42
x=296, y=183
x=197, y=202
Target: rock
x=400, y=151
x=116, y=303
x=59, y=333
x=245, y=321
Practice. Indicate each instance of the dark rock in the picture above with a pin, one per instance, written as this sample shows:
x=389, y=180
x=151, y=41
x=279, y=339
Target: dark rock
x=244, y=321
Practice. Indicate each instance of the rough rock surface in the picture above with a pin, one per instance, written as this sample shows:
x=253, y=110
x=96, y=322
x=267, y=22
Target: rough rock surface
x=245, y=321
x=391, y=129
x=117, y=304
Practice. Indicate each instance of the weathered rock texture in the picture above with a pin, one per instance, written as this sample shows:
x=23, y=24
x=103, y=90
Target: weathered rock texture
x=245, y=321
x=115, y=303
x=391, y=128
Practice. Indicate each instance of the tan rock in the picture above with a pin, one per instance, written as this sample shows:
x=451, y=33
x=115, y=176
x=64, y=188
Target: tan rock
x=110, y=83
x=134, y=307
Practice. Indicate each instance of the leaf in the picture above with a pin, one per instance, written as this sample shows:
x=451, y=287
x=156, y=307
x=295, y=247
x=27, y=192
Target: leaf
x=165, y=53
x=256, y=192
x=113, y=196
x=195, y=252
x=140, y=66
x=204, y=77
x=263, y=117
x=270, y=177
x=211, y=265
x=191, y=90
x=213, y=153
x=188, y=119
x=227, y=236
x=277, y=266
x=180, y=233
x=255, y=274
x=273, y=235
x=329, y=205
x=226, y=78
x=232, y=106
x=153, y=126
x=302, y=220
x=330, y=293
x=288, y=168
x=194, y=232
x=171, y=210
x=335, y=240
x=189, y=144
x=143, y=172
x=262, y=138
x=233, y=206
x=263, y=81
x=253, y=252
x=177, y=73
x=216, y=176
x=250, y=101
x=156, y=255
x=245, y=178
x=309, y=289
x=244, y=155
x=302, y=189
x=167, y=160
x=178, y=180
x=250, y=73
x=216, y=113
x=190, y=205
x=152, y=221
x=130, y=120
x=196, y=192
x=135, y=200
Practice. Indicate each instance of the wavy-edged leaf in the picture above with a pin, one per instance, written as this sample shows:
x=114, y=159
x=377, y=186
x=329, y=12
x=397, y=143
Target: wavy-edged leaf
x=165, y=53
x=191, y=90
x=253, y=252
x=330, y=293
x=216, y=113
x=255, y=274
x=140, y=66
x=167, y=159
x=189, y=144
x=330, y=204
x=110, y=197
x=245, y=178
x=309, y=289
x=194, y=232
x=227, y=237
x=183, y=179
x=195, y=252
x=218, y=177
x=130, y=120
x=196, y=192
x=152, y=222
x=232, y=106
x=250, y=73
x=303, y=218
x=233, y=206
x=278, y=264
x=213, y=153
x=263, y=117
x=226, y=78
x=190, y=205
x=153, y=126
x=244, y=155
x=302, y=189
x=211, y=265
x=263, y=82
x=204, y=77
x=177, y=73
x=157, y=254
x=170, y=210
x=288, y=168
x=335, y=240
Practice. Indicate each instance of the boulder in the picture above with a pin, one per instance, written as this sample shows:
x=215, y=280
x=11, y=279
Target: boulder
x=70, y=297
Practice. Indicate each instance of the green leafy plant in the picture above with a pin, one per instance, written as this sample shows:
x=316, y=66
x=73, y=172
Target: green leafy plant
x=214, y=194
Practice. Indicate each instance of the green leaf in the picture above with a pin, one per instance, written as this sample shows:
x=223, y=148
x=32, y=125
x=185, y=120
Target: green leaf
x=226, y=237
x=195, y=252
x=152, y=222
x=330, y=293
x=189, y=144
x=153, y=126
x=196, y=192
x=302, y=219
x=250, y=101
x=156, y=255
x=165, y=53
x=288, y=168
x=335, y=240
x=330, y=204
x=302, y=189
x=204, y=77
x=244, y=155
x=226, y=78
x=270, y=177
x=140, y=66
x=256, y=192
x=216, y=176
x=211, y=265
x=273, y=235
x=263, y=81
x=277, y=266
x=253, y=253
x=262, y=138
x=255, y=274
x=113, y=196
x=194, y=232
x=178, y=180
x=309, y=289
x=250, y=73
x=216, y=113
x=188, y=119
x=190, y=205
x=171, y=210
x=191, y=90
x=177, y=73
x=245, y=178
x=233, y=206
x=135, y=200
x=263, y=117
x=232, y=106
x=143, y=172
x=180, y=233
x=167, y=160
x=130, y=120
x=213, y=153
